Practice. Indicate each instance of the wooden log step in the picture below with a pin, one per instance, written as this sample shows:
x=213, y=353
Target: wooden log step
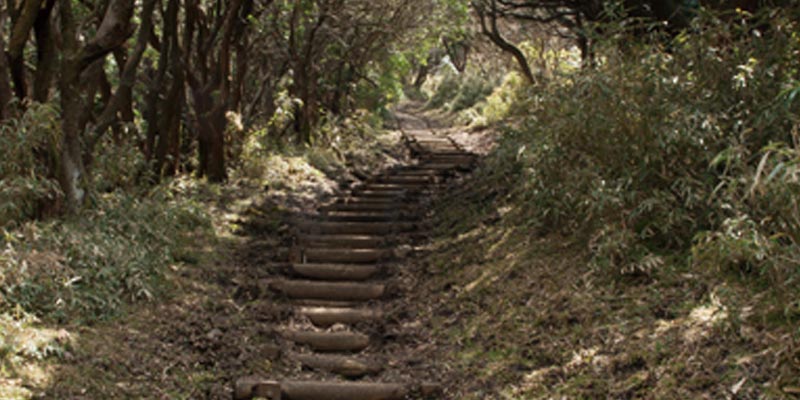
x=438, y=147
x=337, y=291
x=326, y=303
x=349, y=367
x=313, y=390
x=346, y=241
x=451, y=153
x=428, y=172
x=398, y=202
x=328, y=341
x=327, y=316
x=384, y=206
x=391, y=194
x=355, y=228
x=404, y=186
x=370, y=216
x=367, y=216
x=448, y=158
x=431, y=139
x=354, y=256
x=446, y=165
x=335, y=272
x=406, y=179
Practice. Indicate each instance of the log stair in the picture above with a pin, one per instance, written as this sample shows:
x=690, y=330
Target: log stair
x=340, y=270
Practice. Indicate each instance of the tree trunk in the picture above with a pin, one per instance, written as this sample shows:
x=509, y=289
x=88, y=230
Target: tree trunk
x=5, y=85
x=121, y=101
x=46, y=53
x=493, y=33
x=113, y=31
x=71, y=168
x=16, y=45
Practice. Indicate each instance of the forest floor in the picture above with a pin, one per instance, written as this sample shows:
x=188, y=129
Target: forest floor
x=503, y=312
x=215, y=325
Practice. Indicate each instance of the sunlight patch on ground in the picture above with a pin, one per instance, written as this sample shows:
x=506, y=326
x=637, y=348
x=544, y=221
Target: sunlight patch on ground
x=24, y=351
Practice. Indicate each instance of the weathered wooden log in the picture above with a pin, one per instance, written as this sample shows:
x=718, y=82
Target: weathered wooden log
x=248, y=388
x=354, y=228
x=381, y=194
x=346, y=241
x=366, y=206
x=335, y=272
x=305, y=390
x=360, y=216
x=338, y=255
x=328, y=341
x=337, y=291
x=327, y=316
x=347, y=366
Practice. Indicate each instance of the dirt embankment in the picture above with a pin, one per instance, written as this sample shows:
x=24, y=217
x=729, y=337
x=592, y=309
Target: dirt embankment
x=515, y=314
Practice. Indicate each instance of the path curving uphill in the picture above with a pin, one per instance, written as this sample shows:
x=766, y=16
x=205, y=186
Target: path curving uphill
x=342, y=270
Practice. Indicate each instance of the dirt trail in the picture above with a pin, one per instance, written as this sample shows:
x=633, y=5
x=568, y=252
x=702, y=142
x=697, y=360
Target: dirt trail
x=344, y=289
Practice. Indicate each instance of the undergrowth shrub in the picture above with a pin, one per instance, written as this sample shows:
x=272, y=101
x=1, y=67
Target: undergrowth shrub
x=86, y=268
x=338, y=143
x=26, y=144
x=456, y=92
x=446, y=88
x=687, y=149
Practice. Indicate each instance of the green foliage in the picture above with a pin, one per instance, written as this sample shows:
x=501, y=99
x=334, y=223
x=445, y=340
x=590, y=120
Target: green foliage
x=663, y=151
x=87, y=268
x=472, y=90
x=26, y=145
x=115, y=165
x=338, y=144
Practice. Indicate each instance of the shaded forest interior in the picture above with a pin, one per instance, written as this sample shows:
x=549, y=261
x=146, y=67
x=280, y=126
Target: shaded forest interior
x=657, y=140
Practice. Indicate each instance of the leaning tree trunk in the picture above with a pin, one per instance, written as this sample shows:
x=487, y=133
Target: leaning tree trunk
x=46, y=53
x=493, y=33
x=16, y=45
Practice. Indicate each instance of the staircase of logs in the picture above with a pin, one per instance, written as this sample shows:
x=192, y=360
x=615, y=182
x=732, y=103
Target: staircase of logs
x=340, y=269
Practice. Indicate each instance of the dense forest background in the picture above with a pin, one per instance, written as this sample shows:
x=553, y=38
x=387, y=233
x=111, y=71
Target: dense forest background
x=662, y=134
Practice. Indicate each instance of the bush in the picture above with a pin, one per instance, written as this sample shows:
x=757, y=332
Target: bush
x=27, y=144
x=86, y=268
x=445, y=87
x=473, y=89
x=664, y=151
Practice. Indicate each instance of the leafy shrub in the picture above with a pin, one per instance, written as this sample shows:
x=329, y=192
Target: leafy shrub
x=88, y=267
x=115, y=165
x=662, y=151
x=446, y=87
x=472, y=90
x=27, y=144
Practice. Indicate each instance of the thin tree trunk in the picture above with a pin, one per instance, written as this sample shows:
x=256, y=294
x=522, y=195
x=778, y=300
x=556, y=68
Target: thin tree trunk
x=16, y=45
x=46, y=53
x=493, y=33
x=121, y=102
x=5, y=85
x=167, y=148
